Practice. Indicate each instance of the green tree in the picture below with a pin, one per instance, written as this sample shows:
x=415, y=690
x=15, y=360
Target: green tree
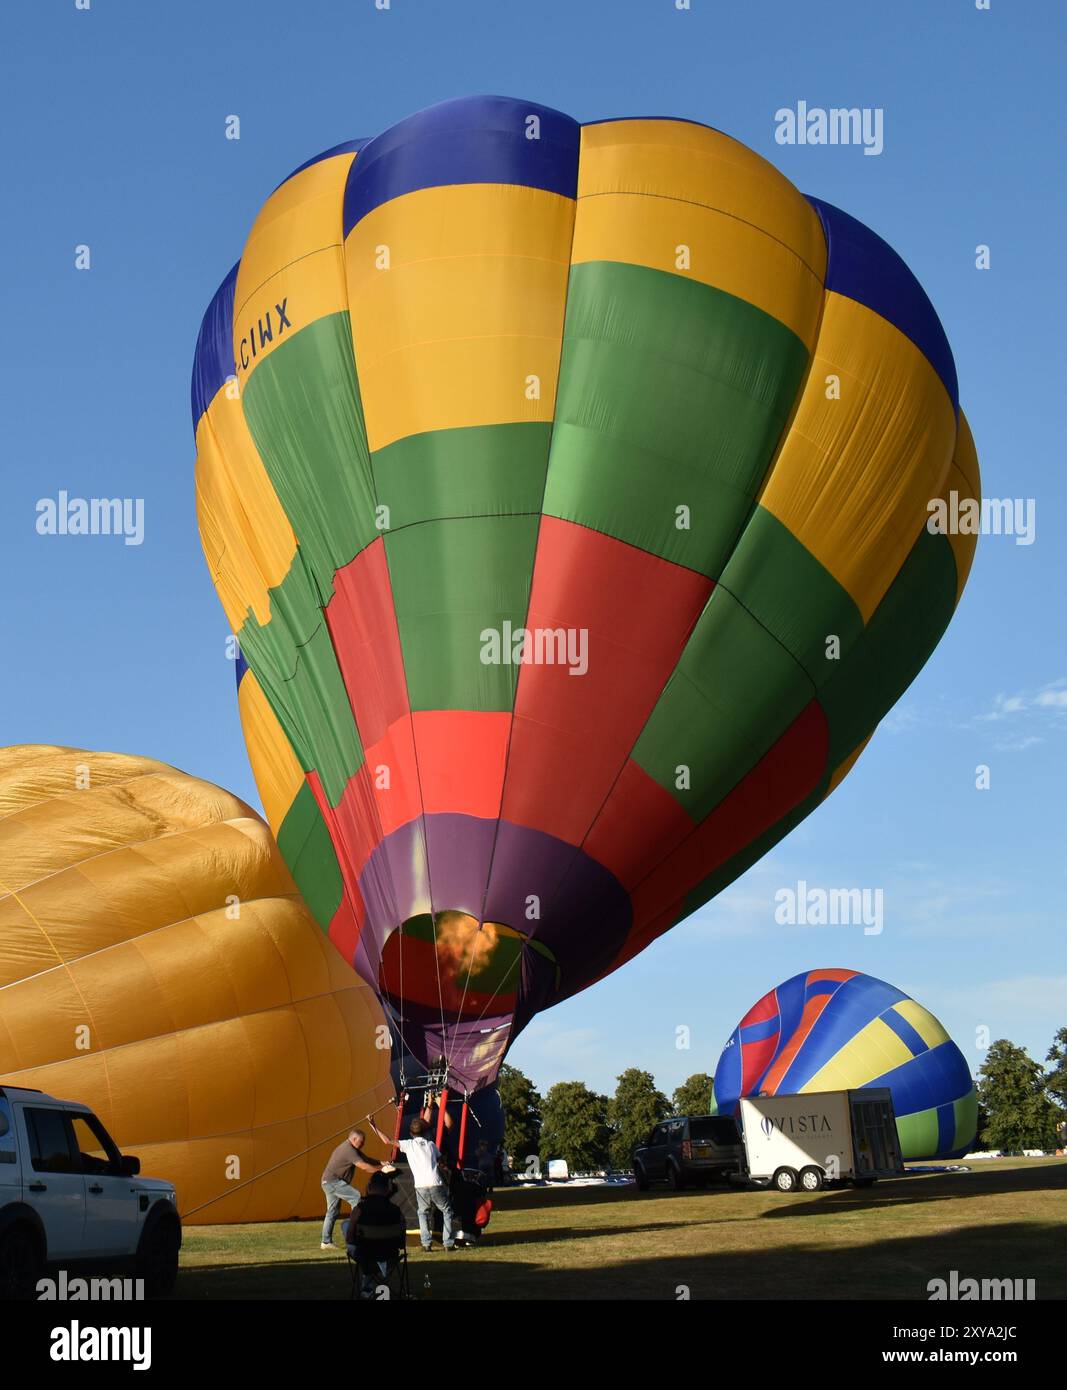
x=693, y=1097
x=1056, y=1081
x=1056, y=1084
x=635, y=1107
x=574, y=1126
x=522, y=1115
x=1011, y=1088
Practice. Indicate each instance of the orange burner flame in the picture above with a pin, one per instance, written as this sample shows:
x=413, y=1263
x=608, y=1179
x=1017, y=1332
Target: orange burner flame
x=463, y=945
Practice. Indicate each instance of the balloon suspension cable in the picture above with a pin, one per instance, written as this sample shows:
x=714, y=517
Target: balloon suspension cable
x=504, y=980
x=395, y=1145
x=282, y=1163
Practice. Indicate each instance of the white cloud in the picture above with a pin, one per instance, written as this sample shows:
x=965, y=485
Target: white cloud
x=1017, y=745
x=1031, y=715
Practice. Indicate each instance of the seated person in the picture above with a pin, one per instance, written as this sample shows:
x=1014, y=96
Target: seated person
x=376, y=1229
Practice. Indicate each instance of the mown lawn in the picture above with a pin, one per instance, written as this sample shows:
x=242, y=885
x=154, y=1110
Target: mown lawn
x=1005, y=1219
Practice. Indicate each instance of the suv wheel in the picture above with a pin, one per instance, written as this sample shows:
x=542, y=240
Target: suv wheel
x=20, y=1264
x=811, y=1179
x=785, y=1180
x=640, y=1178
x=675, y=1181
x=157, y=1257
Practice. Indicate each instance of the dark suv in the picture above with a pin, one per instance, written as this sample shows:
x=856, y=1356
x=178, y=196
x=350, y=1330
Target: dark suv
x=688, y=1149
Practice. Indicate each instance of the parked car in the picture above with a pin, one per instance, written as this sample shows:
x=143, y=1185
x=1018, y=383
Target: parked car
x=69, y=1199
x=688, y=1150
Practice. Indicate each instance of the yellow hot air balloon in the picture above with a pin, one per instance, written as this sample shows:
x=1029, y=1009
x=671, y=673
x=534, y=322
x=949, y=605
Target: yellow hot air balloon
x=158, y=964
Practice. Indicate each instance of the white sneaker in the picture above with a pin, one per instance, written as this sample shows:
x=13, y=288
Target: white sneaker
x=327, y=1245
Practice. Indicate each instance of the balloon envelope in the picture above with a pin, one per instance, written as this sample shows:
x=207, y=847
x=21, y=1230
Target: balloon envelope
x=567, y=487
x=158, y=965
x=832, y=1030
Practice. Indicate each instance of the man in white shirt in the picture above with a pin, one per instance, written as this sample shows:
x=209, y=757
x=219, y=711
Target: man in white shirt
x=423, y=1156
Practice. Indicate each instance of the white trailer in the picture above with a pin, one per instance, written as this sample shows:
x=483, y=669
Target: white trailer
x=799, y=1142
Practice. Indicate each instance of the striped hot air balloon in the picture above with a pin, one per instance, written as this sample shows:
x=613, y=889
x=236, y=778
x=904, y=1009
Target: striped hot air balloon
x=567, y=488
x=836, y=1030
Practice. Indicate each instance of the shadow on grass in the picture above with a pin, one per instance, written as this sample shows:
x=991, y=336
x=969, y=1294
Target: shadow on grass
x=909, y=1191
x=549, y=1235
x=1050, y=1173
x=896, y=1269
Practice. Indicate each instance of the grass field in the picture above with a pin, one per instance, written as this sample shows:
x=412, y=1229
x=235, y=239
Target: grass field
x=1006, y=1219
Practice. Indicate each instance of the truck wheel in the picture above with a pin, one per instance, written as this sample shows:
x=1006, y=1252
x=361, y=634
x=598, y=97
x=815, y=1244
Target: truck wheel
x=811, y=1179
x=785, y=1180
x=157, y=1257
x=21, y=1262
x=640, y=1178
x=675, y=1181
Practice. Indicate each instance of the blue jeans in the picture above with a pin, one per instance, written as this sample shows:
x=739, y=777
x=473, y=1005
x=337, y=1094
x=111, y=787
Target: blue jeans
x=428, y=1198
x=336, y=1193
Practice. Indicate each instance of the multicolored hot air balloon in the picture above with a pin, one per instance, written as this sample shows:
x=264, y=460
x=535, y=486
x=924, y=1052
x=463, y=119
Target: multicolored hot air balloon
x=834, y=1030
x=567, y=488
x=157, y=964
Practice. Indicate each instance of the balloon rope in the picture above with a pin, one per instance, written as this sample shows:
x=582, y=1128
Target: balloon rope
x=212, y=1201
x=500, y=985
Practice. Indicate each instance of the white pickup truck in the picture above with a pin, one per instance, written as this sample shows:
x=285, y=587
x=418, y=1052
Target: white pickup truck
x=69, y=1199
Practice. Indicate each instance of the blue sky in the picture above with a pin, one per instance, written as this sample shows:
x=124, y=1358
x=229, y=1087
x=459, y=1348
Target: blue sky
x=114, y=137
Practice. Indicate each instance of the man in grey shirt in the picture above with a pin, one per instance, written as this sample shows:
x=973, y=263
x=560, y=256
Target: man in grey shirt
x=337, y=1180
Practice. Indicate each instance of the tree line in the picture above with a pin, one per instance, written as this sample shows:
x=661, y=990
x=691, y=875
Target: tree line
x=1022, y=1105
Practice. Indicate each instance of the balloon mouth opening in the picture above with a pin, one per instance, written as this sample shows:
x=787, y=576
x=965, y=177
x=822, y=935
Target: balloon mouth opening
x=449, y=963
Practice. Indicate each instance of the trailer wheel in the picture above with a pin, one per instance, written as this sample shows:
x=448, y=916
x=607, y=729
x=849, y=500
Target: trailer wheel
x=811, y=1179
x=785, y=1180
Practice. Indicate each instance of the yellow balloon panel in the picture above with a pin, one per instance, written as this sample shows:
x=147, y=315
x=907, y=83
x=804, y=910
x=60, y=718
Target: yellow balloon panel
x=158, y=965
